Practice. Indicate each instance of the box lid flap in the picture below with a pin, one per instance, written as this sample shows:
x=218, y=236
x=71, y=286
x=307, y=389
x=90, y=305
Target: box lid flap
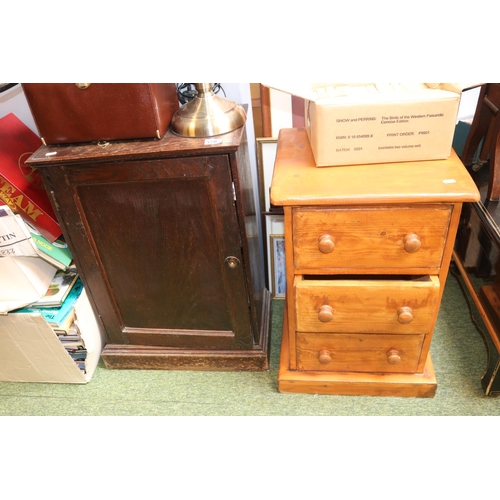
x=317, y=91
x=24, y=281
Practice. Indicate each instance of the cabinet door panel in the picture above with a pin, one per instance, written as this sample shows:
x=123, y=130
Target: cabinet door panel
x=161, y=232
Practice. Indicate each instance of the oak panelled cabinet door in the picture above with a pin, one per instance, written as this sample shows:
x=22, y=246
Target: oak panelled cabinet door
x=164, y=235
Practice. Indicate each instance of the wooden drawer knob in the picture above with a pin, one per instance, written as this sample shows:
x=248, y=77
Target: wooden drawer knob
x=326, y=243
x=324, y=357
x=405, y=315
x=412, y=243
x=393, y=357
x=325, y=313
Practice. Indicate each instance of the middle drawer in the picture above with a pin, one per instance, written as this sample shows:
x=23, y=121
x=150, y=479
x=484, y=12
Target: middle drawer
x=406, y=304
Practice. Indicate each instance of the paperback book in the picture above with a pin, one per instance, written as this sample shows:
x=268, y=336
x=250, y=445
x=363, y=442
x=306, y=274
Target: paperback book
x=15, y=239
x=24, y=275
x=19, y=239
x=59, y=289
x=58, y=317
x=56, y=253
x=75, y=346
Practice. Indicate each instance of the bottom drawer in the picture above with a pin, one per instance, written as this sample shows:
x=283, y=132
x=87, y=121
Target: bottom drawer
x=345, y=352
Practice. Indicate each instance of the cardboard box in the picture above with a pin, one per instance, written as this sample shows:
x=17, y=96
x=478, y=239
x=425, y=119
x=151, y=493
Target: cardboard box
x=31, y=352
x=379, y=123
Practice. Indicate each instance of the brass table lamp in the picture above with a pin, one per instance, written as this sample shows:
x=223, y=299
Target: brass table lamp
x=207, y=114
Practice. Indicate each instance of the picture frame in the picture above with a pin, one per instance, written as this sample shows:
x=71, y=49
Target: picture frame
x=273, y=225
x=278, y=267
x=266, y=154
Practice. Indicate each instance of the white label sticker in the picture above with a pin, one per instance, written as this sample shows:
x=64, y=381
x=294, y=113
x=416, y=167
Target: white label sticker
x=209, y=142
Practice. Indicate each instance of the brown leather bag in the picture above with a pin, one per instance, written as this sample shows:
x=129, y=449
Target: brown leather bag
x=82, y=112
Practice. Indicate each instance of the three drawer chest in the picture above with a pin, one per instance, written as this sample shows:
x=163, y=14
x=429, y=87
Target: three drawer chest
x=368, y=249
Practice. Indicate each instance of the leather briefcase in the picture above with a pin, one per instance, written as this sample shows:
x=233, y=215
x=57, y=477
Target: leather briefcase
x=92, y=112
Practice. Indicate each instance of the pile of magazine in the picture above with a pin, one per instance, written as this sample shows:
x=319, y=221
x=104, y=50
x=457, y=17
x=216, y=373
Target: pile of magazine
x=19, y=239
x=56, y=306
x=31, y=242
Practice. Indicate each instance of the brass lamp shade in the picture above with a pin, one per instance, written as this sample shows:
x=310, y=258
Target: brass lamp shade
x=207, y=114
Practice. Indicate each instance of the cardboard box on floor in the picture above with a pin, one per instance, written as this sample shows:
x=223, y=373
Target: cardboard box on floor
x=31, y=352
x=350, y=124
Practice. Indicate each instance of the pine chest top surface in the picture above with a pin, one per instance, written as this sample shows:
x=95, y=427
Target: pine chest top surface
x=297, y=181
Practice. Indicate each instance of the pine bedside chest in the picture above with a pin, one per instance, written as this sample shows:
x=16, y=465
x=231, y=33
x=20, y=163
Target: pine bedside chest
x=368, y=249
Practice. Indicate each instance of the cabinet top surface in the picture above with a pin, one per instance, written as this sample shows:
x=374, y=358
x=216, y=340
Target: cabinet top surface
x=170, y=145
x=297, y=180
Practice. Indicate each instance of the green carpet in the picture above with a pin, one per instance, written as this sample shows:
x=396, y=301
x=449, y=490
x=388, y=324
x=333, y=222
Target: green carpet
x=458, y=354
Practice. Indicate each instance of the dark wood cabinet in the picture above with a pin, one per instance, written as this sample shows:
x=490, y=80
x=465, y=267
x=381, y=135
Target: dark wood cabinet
x=164, y=234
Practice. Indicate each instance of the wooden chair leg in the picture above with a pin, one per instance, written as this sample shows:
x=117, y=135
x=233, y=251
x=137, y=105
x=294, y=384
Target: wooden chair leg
x=478, y=130
x=493, y=193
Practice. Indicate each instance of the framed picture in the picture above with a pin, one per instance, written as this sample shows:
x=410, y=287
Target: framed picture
x=278, y=269
x=274, y=225
x=266, y=154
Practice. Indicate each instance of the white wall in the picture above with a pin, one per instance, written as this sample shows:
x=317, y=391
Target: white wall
x=13, y=101
x=240, y=93
x=468, y=103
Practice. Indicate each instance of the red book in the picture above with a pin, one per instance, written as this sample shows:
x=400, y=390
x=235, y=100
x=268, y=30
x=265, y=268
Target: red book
x=20, y=185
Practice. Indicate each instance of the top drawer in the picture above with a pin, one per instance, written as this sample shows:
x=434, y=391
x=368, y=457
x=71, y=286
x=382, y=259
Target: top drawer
x=390, y=237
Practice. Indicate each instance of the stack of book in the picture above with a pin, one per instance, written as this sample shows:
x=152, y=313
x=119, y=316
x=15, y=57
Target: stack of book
x=21, y=240
x=57, y=308
x=35, y=261
x=75, y=345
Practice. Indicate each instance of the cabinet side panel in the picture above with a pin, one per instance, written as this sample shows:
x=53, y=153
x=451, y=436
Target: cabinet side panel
x=252, y=244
